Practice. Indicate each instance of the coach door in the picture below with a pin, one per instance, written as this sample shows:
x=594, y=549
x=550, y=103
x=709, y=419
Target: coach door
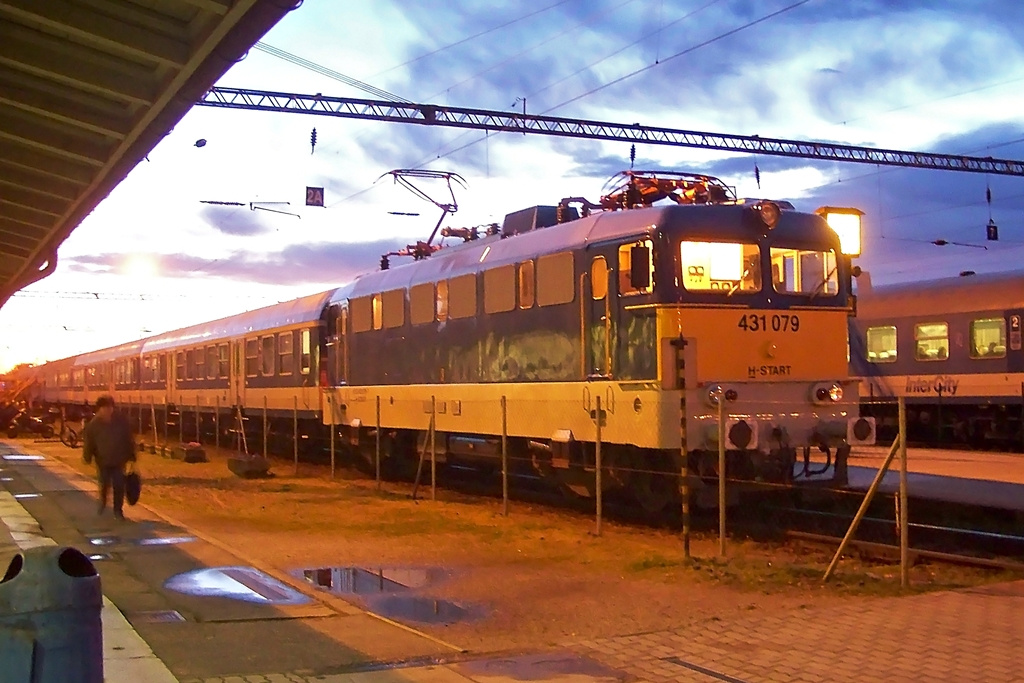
x=237, y=372
x=597, y=295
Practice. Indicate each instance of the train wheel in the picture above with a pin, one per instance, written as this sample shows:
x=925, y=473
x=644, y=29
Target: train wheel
x=650, y=484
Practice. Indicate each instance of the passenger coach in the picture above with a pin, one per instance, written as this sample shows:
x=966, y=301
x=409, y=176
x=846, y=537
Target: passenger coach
x=952, y=349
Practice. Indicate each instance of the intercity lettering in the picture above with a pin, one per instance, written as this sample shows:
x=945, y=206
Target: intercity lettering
x=942, y=385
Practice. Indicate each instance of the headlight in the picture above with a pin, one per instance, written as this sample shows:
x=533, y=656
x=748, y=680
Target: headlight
x=830, y=393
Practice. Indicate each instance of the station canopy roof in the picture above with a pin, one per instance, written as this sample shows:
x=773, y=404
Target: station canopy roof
x=87, y=89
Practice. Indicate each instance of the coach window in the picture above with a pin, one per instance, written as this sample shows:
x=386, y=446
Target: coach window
x=286, y=360
x=599, y=277
x=306, y=358
x=179, y=366
x=882, y=344
x=267, y=356
x=200, y=359
x=988, y=338
x=441, y=302
x=190, y=364
x=931, y=341
x=211, y=362
x=161, y=364
x=394, y=308
x=556, y=279
x=252, y=357
x=462, y=296
x=527, y=284
x=725, y=267
x=500, y=289
x=421, y=304
x=627, y=252
x=378, y=312
x=223, y=363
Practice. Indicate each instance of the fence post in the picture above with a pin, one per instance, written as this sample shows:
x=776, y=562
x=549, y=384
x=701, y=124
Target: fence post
x=264, y=426
x=904, y=512
x=331, y=407
x=597, y=470
x=167, y=411
x=295, y=432
x=152, y=418
x=199, y=435
x=433, y=448
x=216, y=422
x=504, y=456
x=721, y=473
x=684, y=479
x=376, y=447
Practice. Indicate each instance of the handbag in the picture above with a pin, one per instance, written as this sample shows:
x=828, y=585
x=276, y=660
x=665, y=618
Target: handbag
x=132, y=486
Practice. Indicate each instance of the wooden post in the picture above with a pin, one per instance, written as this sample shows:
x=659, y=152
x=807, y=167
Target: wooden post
x=904, y=516
x=504, y=456
x=721, y=474
x=376, y=451
x=433, y=448
x=216, y=422
x=166, y=420
x=181, y=424
x=199, y=435
x=863, y=508
x=264, y=426
x=597, y=470
x=295, y=432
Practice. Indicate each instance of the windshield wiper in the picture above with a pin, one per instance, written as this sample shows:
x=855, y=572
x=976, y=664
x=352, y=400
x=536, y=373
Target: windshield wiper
x=814, y=292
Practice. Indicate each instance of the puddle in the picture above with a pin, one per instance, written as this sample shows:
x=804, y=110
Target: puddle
x=165, y=540
x=6, y=478
x=388, y=592
x=22, y=456
x=422, y=610
x=104, y=540
x=359, y=581
x=23, y=496
x=96, y=557
x=238, y=583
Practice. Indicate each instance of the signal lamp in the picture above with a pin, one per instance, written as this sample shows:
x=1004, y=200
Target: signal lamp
x=846, y=222
x=769, y=212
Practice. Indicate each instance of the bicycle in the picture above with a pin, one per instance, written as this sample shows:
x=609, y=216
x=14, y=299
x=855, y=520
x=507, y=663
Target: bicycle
x=69, y=436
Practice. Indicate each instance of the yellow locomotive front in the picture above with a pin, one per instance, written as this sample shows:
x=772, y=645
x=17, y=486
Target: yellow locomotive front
x=757, y=333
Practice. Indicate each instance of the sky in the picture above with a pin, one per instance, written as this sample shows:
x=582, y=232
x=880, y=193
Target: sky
x=922, y=75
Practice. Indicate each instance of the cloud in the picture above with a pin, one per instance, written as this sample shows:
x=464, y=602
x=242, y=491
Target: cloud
x=238, y=221
x=326, y=264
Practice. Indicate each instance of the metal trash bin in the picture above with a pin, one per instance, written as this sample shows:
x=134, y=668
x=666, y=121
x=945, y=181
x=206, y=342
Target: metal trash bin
x=50, y=628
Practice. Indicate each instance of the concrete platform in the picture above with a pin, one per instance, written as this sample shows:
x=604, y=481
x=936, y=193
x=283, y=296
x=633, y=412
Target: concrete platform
x=978, y=478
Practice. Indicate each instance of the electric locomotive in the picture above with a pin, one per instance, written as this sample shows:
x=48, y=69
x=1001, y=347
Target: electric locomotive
x=633, y=317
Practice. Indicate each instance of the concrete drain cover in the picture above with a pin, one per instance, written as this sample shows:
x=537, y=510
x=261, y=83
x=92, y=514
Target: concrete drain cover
x=168, y=616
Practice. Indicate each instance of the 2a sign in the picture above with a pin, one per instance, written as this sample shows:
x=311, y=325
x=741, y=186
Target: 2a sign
x=314, y=196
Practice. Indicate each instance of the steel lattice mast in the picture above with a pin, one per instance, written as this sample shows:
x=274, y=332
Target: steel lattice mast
x=490, y=120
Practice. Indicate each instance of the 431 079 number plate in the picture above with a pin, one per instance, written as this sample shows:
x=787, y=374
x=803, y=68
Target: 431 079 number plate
x=775, y=322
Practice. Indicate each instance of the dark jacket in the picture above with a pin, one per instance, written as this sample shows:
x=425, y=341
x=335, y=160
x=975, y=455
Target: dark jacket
x=110, y=444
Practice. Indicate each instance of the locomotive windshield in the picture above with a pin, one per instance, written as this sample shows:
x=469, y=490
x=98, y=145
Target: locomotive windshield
x=725, y=267
x=809, y=272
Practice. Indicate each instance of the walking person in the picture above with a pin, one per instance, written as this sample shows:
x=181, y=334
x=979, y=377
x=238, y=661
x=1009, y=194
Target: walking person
x=107, y=440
